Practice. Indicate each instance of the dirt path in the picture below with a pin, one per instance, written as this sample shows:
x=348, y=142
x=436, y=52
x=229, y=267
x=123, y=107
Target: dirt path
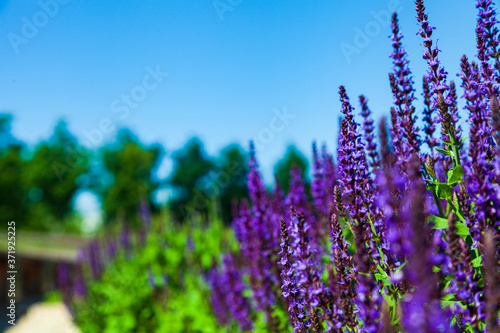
x=45, y=318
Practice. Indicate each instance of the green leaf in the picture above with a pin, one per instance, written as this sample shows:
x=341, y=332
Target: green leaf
x=462, y=229
x=385, y=279
x=477, y=262
x=443, y=151
x=443, y=191
x=455, y=175
x=442, y=223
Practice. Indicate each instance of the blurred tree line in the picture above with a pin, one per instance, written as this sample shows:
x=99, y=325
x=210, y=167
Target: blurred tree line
x=38, y=185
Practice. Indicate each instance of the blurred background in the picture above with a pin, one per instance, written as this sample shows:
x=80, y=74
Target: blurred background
x=107, y=107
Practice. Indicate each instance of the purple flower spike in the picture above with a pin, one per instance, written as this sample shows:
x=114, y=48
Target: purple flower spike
x=95, y=258
x=442, y=101
x=341, y=290
x=353, y=174
x=64, y=283
x=238, y=304
x=261, y=275
x=242, y=228
x=79, y=285
x=488, y=39
x=289, y=287
x=217, y=296
x=297, y=196
x=480, y=172
x=422, y=309
x=368, y=128
x=368, y=300
x=429, y=120
x=402, y=88
x=330, y=176
x=320, y=193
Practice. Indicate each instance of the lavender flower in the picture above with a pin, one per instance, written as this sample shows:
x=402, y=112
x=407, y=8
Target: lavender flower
x=64, y=283
x=242, y=229
x=368, y=299
x=306, y=266
x=290, y=289
x=352, y=163
x=371, y=146
x=297, y=196
x=318, y=185
x=488, y=40
x=480, y=172
x=402, y=89
x=112, y=248
x=341, y=290
x=95, y=259
x=238, y=304
x=464, y=281
x=401, y=151
x=442, y=100
x=79, y=285
x=422, y=309
x=385, y=147
x=429, y=120
x=261, y=276
x=495, y=119
x=487, y=30
x=217, y=296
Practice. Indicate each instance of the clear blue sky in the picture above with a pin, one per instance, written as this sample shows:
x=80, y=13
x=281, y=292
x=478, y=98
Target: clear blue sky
x=227, y=70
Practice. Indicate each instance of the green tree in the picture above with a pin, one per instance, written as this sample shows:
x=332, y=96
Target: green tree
x=52, y=177
x=231, y=179
x=189, y=180
x=12, y=198
x=131, y=166
x=282, y=169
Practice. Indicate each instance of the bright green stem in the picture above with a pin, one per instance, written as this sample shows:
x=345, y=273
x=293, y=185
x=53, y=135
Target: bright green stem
x=454, y=145
x=438, y=203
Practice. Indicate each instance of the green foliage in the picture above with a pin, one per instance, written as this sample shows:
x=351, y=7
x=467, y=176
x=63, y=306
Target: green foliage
x=189, y=180
x=38, y=191
x=176, y=257
x=12, y=199
x=455, y=175
x=54, y=170
x=13, y=205
x=441, y=223
x=231, y=179
x=293, y=157
x=131, y=166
